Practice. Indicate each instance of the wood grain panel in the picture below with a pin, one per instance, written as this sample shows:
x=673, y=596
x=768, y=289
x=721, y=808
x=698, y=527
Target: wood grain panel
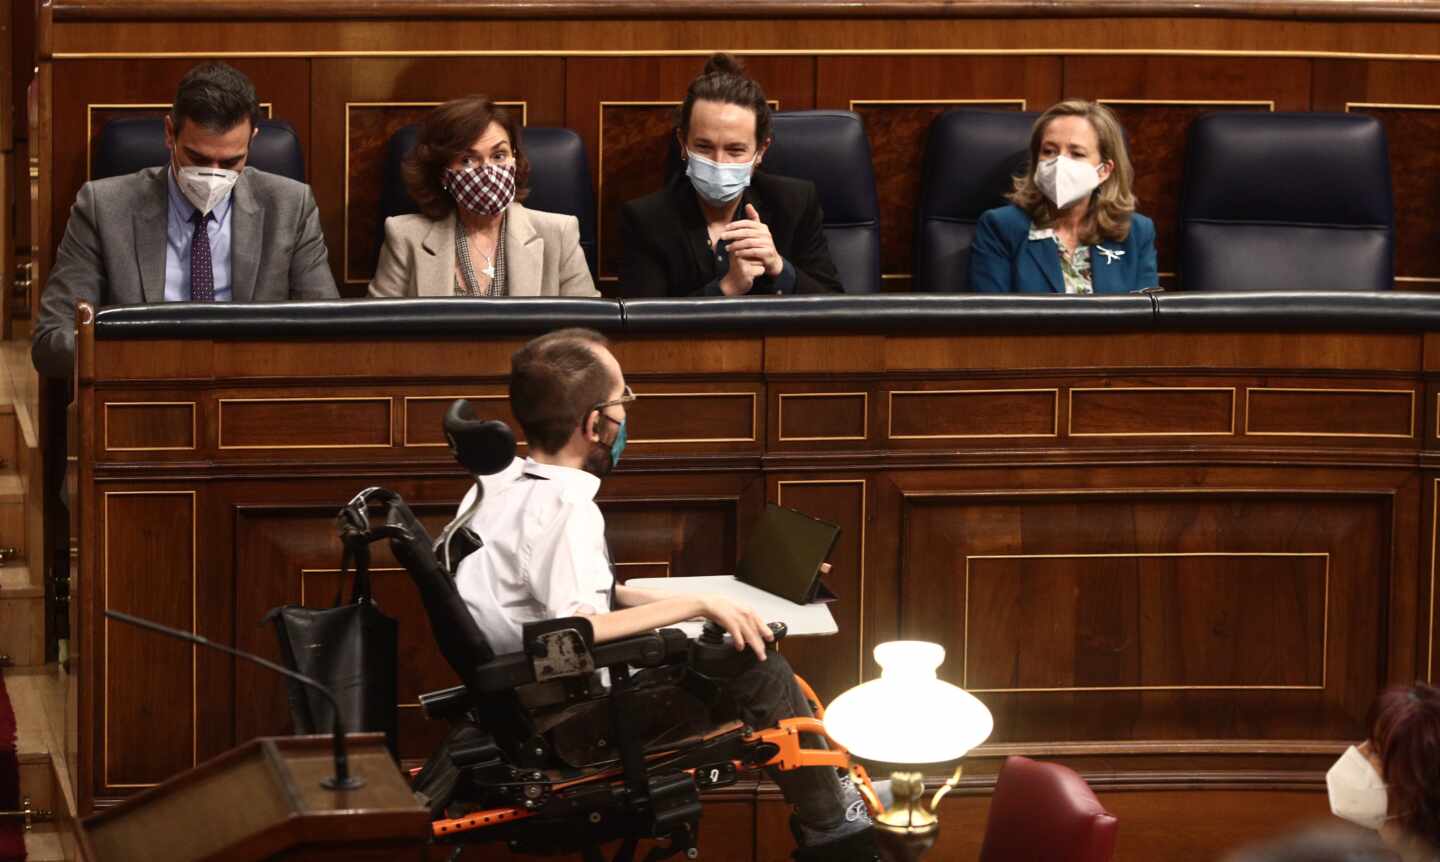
x=1415, y=181
x=1149, y=621
x=822, y=416
x=99, y=115
x=694, y=417
x=622, y=107
x=898, y=97
x=1151, y=411
x=1330, y=412
x=304, y=423
x=368, y=127
x=149, y=728
x=155, y=426
x=291, y=554
x=952, y=414
x=425, y=416
x=656, y=537
x=1094, y=634
x=360, y=102
x=835, y=663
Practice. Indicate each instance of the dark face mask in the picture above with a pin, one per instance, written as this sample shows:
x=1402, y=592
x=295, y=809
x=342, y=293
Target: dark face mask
x=603, y=457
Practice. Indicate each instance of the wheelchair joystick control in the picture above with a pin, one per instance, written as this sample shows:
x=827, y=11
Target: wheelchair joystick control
x=713, y=652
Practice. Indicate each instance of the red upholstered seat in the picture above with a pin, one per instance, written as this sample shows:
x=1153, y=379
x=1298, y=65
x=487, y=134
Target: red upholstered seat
x=1045, y=811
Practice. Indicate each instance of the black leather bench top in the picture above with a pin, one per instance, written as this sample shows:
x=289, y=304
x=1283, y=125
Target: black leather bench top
x=895, y=313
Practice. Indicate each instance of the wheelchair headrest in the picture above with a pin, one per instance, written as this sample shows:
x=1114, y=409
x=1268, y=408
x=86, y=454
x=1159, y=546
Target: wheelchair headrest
x=483, y=447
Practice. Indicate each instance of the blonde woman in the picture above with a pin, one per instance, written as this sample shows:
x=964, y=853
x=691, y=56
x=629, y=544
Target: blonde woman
x=1071, y=225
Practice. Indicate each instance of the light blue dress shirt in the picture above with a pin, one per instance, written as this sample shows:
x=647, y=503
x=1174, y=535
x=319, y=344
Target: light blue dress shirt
x=179, y=230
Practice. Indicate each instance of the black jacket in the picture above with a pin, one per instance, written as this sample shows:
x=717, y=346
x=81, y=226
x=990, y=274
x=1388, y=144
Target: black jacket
x=667, y=252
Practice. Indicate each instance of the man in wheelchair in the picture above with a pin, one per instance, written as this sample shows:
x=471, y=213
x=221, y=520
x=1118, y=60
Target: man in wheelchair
x=629, y=743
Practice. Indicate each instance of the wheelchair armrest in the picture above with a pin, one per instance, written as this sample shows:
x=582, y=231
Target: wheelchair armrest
x=446, y=703
x=651, y=649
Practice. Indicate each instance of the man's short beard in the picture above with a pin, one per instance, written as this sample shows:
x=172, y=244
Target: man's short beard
x=598, y=461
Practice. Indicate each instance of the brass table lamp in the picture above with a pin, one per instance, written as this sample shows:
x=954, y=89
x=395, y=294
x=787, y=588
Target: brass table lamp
x=901, y=723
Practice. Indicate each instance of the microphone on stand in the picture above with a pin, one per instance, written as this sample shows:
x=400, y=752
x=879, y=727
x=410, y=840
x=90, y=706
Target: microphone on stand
x=342, y=779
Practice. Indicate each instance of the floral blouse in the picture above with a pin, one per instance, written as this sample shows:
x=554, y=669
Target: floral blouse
x=1074, y=265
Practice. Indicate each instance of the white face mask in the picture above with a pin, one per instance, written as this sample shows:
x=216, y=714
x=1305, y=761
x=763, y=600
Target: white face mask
x=715, y=182
x=1357, y=792
x=205, y=187
x=1065, y=180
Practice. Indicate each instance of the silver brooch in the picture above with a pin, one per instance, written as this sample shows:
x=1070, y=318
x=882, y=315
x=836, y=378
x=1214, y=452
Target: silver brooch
x=1110, y=256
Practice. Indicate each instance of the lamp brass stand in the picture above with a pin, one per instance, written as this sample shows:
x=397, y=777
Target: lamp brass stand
x=909, y=827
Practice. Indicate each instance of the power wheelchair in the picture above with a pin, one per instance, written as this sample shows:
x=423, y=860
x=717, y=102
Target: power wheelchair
x=540, y=753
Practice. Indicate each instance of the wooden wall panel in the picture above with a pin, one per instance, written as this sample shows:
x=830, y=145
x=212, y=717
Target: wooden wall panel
x=149, y=709
x=1266, y=691
x=1156, y=98
x=898, y=97
x=359, y=103
x=1403, y=96
x=623, y=109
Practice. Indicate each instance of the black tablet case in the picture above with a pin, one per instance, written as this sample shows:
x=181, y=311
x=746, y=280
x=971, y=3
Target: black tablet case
x=784, y=554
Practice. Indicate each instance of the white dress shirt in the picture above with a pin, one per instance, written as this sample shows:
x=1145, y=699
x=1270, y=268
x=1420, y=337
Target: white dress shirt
x=544, y=555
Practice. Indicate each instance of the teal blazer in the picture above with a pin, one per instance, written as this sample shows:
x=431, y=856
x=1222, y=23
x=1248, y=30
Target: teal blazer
x=1003, y=258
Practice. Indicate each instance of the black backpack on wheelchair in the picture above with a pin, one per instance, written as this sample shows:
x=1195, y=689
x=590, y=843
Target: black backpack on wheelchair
x=541, y=754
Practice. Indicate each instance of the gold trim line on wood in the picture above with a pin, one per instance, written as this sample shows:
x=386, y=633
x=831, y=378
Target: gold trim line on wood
x=1434, y=532
x=345, y=215
x=864, y=524
x=665, y=563
x=754, y=418
x=194, y=431
x=90, y=107
x=1419, y=279
x=1070, y=405
x=1038, y=51
x=890, y=414
x=1347, y=434
x=1392, y=106
x=194, y=649
x=780, y=411
x=389, y=422
x=1324, y=623
x=1268, y=104
x=405, y=416
x=854, y=102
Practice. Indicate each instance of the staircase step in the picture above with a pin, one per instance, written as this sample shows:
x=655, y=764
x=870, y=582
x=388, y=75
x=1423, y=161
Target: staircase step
x=43, y=844
x=22, y=616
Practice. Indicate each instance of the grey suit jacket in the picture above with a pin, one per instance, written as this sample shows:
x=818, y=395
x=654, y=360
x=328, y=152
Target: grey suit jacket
x=542, y=256
x=113, y=252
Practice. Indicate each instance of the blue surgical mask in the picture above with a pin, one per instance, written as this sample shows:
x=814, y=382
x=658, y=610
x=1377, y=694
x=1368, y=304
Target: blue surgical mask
x=717, y=183
x=618, y=446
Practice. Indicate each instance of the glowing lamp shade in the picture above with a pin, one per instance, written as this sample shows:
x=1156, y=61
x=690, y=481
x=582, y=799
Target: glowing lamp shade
x=908, y=716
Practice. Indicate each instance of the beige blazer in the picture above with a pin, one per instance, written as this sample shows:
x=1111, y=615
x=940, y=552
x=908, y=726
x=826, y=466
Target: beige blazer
x=542, y=256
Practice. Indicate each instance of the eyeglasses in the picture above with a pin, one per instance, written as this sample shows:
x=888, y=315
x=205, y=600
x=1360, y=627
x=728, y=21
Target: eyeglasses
x=625, y=398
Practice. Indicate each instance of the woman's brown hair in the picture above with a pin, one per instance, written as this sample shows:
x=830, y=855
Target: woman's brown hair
x=446, y=134
x=1405, y=733
x=724, y=80
x=1112, y=204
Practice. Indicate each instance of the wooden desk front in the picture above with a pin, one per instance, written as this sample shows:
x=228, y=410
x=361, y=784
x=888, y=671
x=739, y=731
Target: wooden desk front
x=1178, y=560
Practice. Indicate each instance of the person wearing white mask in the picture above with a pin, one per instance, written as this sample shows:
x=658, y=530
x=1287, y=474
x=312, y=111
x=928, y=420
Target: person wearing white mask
x=473, y=237
x=202, y=228
x=1391, y=782
x=1071, y=225
x=724, y=228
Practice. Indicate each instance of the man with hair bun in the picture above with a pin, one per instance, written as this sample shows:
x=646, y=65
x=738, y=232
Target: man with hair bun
x=722, y=228
x=203, y=228
x=545, y=557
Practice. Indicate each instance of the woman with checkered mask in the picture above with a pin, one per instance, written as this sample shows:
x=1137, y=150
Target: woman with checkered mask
x=472, y=237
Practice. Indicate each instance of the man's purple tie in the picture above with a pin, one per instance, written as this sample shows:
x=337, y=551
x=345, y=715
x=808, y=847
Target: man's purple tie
x=202, y=273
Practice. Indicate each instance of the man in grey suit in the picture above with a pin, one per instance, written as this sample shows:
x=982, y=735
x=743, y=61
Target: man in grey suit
x=204, y=228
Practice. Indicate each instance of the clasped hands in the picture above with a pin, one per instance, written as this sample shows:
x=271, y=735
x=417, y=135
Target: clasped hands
x=752, y=253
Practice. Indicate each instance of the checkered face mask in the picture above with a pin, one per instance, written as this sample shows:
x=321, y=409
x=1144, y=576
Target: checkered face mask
x=485, y=190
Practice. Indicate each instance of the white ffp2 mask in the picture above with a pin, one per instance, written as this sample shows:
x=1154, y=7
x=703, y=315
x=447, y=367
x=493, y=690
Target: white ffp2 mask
x=204, y=188
x=1357, y=792
x=1065, y=180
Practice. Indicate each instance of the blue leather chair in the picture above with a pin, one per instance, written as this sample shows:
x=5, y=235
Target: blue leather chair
x=559, y=180
x=128, y=145
x=970, y=159
x=830, y=149
x=1288, y=201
